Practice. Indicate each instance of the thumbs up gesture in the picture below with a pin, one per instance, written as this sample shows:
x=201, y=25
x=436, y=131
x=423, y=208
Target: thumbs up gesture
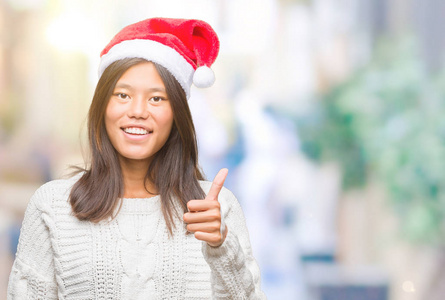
x=204, y=216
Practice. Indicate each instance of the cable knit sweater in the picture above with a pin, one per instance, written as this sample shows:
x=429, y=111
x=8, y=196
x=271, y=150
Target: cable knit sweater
x=129, y=257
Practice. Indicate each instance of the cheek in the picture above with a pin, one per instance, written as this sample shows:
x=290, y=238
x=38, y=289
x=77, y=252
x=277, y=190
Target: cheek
x=110, y=116
x=168, y=122
x=164, y=120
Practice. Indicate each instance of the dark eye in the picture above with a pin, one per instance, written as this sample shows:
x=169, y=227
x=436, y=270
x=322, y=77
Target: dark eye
x=156, y=99
x=122, y=96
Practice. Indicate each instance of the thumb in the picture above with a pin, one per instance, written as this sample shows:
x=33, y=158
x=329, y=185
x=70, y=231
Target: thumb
x=217, y=184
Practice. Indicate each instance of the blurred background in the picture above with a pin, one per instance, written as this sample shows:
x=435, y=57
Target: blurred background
x=328, y=114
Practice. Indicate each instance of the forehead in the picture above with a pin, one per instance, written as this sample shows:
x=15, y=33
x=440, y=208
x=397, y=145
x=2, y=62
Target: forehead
x=141, y=76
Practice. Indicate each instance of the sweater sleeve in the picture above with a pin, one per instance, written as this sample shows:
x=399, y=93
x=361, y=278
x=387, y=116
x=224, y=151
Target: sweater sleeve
x=234, y=272
x=32, y=275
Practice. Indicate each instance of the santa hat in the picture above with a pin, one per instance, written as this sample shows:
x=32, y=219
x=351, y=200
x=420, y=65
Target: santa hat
x=186, y=48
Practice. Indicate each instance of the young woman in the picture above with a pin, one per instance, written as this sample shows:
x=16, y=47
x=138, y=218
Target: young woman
x=140, y=222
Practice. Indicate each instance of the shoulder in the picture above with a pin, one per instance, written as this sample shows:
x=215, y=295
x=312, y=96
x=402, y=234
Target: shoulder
x=58, y=186
x=53, y=191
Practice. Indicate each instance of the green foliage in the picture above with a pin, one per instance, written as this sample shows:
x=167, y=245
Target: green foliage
x=388, y=121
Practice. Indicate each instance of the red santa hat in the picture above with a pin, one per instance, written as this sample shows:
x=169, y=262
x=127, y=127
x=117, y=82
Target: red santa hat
x=187, y=48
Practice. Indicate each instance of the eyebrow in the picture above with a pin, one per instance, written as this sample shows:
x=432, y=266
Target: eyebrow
x=129, y=87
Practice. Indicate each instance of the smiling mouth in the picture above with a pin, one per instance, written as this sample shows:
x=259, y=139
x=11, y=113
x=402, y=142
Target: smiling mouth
x=136, y=131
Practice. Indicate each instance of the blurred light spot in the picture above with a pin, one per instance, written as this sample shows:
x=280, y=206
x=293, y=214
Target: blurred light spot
x=408, y=287
x=72, y=32
x=26, y=4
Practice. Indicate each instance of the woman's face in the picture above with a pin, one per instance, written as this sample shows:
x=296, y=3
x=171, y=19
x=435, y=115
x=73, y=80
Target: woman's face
x=139, y=117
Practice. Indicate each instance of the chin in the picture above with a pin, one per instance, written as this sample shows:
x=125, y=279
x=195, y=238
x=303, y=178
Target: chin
x=136, y=156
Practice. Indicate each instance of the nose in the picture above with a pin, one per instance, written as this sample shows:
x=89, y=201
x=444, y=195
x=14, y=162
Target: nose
x=138, y=108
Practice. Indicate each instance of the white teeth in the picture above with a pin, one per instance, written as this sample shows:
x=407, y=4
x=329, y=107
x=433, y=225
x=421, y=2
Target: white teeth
x=135, y=130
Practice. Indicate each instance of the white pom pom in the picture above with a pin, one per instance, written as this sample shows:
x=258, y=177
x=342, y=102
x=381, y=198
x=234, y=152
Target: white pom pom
x=203, y=77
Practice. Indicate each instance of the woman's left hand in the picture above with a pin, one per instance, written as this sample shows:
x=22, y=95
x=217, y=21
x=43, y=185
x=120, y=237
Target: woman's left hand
x=204, y=216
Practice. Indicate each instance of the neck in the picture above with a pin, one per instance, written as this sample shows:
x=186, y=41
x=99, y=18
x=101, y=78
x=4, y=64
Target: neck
x=135, y=184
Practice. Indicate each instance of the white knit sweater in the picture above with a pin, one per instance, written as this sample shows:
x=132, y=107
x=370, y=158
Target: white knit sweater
x=129, y=257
